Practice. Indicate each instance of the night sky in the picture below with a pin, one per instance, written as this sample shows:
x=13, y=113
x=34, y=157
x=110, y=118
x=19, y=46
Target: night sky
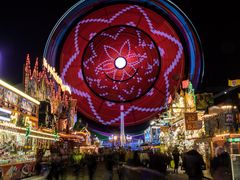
x=25, y=26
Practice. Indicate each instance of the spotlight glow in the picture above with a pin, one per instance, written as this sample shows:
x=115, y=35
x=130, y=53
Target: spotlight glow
x=120, y=62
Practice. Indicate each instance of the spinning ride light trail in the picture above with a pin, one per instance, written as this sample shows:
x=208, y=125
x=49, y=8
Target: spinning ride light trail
x=124, y=52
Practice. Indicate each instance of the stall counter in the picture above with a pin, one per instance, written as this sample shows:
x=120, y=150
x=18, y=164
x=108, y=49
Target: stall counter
x=17, y=170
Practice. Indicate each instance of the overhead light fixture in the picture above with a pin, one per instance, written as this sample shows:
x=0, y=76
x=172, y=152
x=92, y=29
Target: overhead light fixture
x=4, y=118
x=8, y=86
x=5, y=111
x=152, y=122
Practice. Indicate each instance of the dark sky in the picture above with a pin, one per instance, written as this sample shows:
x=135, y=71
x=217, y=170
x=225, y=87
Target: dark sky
x=25, y=26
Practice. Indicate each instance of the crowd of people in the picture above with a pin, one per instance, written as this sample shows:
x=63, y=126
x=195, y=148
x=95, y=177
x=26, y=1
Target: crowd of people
x=127, y=162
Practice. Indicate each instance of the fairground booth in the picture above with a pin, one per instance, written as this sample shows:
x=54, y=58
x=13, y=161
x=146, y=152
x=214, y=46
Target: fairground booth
x=35, y=120
x=193, y=121
x=20, y=136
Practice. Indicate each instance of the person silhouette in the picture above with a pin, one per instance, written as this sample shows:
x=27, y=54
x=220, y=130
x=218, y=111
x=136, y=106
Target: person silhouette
x=220, y=165
x=176, y=156
x=193, y=164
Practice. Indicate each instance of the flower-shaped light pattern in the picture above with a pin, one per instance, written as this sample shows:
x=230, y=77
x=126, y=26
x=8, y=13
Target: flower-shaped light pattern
x=141, y=64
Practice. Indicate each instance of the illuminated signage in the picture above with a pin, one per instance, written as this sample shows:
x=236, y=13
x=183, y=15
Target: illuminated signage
x=191, y=121
x=53, y=72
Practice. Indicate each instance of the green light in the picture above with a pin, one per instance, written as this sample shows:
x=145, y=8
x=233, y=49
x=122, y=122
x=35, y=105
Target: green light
x=233, y=140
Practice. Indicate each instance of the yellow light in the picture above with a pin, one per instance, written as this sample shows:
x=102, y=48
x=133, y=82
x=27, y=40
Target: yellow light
x=226, y=106
x=115, y=138
x=22, y=134
x=10, y=125
x=20, y=128
x=39, y=132
x=52, y=71
x=40, y=137
x=235, y=134
x=81, y=133
x=8, y=86
x=220, y=135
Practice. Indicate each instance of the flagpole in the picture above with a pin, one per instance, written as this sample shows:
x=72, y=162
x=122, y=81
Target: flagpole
x=122, y=133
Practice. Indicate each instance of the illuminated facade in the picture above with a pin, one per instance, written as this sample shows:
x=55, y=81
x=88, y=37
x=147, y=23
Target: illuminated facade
x=58, y=108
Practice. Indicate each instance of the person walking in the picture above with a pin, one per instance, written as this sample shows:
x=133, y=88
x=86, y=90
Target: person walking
x=220, y=166
x=109, y=163
x=77, y=162
x=91, y=160
x=55, y=167
x=176, y=155
x=193, y=164
x=55, y=162
x=39, y=156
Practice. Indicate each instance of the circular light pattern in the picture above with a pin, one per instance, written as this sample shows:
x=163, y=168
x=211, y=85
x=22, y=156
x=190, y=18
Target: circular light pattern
x=129, y=53
x=120, y=62
x=133, y=51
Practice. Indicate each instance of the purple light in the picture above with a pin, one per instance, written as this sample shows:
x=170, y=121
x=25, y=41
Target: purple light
x=1, y=64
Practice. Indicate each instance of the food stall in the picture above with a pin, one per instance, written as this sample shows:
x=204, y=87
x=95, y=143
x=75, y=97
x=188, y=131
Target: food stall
x=229, y=141
x=19, y=133
x=185, y=127
x=220, y=126
x=18, y=150
x=18, y=107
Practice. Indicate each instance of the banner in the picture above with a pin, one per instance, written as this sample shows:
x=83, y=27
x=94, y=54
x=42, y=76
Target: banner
x=204, y=100
x=185, y=84
x=191, y=121
x=235, y=82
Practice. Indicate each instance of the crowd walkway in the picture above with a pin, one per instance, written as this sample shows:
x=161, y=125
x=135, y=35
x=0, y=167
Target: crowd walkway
x=102, y=174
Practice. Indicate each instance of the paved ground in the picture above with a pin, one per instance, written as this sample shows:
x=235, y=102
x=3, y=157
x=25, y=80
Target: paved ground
x=102, y=174
x=182, y=176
